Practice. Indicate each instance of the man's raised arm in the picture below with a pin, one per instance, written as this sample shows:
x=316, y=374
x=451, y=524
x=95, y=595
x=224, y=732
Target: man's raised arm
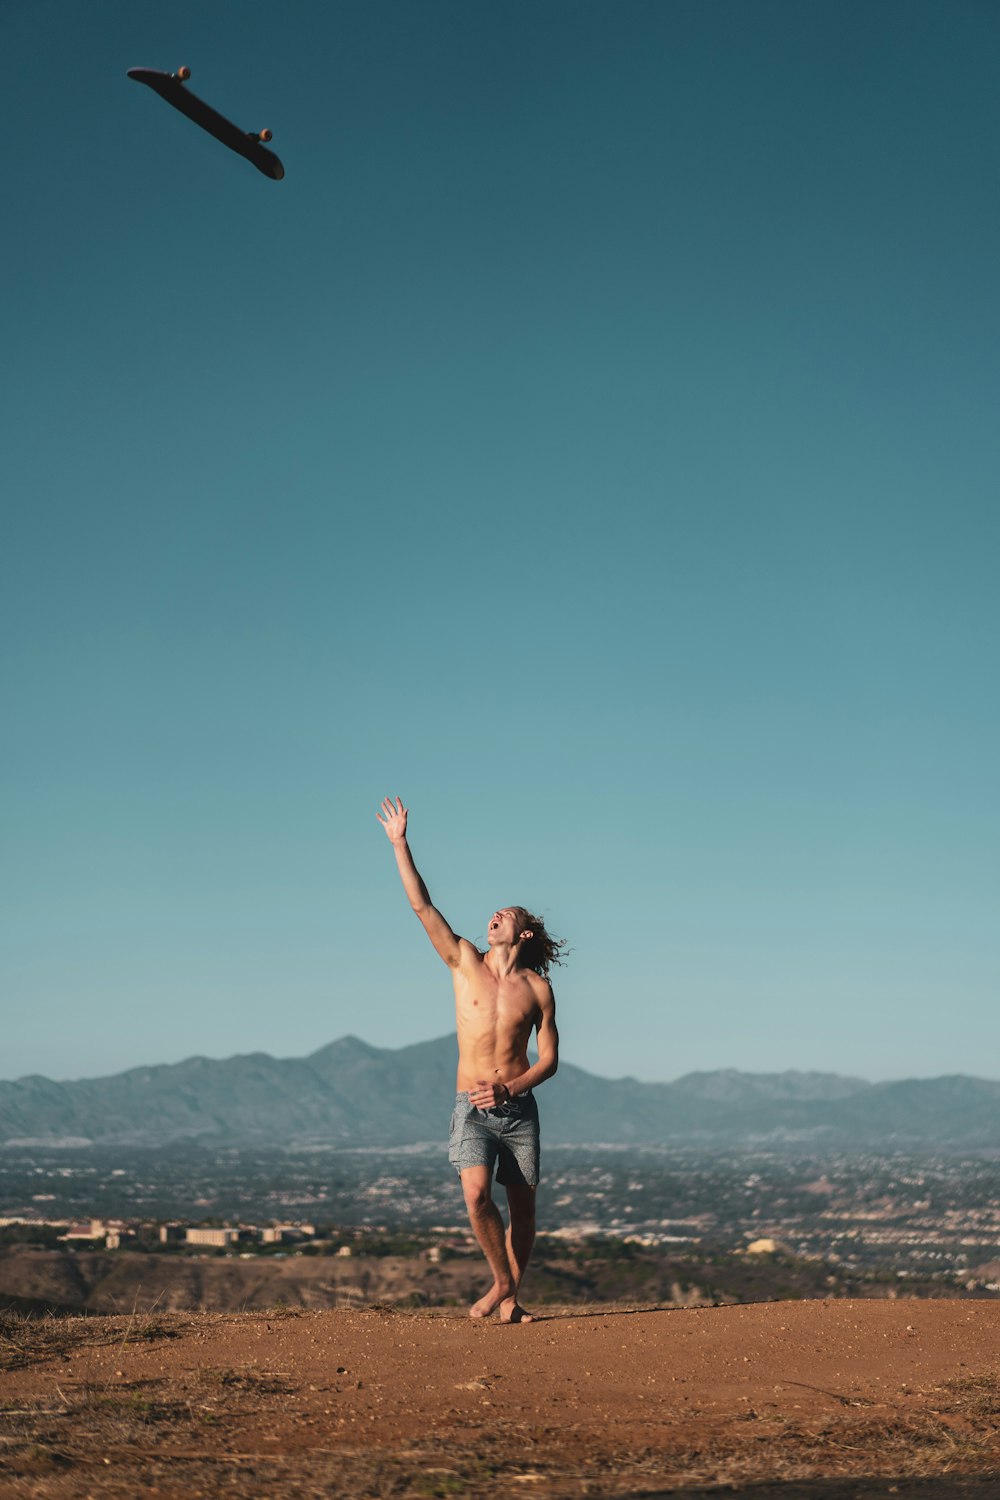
x=437, y=929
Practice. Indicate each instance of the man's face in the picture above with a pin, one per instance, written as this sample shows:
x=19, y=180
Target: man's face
x=504, y=926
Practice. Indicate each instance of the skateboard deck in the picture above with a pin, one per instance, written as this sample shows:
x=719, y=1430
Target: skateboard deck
x=248, y=143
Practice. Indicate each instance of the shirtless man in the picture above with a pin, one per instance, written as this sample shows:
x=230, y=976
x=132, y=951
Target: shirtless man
x=501, y=996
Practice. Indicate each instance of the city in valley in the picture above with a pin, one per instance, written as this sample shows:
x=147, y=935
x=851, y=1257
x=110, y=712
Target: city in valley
x=731, y=1226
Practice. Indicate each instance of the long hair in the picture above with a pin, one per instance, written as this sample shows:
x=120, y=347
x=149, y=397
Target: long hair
x=541, y=949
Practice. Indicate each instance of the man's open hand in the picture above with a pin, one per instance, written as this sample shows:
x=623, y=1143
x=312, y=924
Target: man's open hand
x=394, y=821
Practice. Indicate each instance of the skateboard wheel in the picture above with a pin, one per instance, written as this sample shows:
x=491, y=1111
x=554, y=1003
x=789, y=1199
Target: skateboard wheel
x=264, y=135
x=183, y=74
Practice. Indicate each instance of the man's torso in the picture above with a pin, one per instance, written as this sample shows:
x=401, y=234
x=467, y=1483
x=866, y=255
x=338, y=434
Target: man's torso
x=494, y=1018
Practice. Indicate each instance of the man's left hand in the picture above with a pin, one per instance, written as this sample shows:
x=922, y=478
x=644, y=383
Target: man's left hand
x=488, y=1095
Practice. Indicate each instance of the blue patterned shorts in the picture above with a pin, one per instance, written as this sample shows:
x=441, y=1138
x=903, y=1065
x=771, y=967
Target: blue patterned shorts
x=505, y=1136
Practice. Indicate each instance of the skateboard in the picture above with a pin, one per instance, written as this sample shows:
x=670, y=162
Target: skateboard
x=170, y=86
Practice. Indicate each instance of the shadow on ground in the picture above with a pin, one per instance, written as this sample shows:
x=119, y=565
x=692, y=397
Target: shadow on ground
x=980, y=1487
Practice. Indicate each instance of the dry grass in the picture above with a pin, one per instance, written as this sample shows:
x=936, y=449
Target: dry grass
x=26, y=1340
x=142, y=1435
x=977, y=1396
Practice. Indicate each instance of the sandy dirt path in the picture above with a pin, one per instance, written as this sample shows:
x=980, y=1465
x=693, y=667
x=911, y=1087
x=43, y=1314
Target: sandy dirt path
x=895, y=1397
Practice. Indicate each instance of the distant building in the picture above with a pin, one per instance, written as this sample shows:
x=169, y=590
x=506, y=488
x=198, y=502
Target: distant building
x=281, y=1234
x=94, y=1229
x=220, y=1238
x=172, y=1233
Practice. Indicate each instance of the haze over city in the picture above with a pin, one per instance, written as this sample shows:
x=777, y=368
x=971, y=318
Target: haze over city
x=591, y=440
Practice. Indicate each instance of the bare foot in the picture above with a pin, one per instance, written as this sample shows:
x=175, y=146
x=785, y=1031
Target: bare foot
x=489, y=1304
x=512, y=1312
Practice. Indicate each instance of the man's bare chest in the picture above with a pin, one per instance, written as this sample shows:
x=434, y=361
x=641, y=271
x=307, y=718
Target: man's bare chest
x=483, y=1000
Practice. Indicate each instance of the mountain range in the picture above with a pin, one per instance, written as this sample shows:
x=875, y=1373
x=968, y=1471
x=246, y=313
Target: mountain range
x=352, y=1094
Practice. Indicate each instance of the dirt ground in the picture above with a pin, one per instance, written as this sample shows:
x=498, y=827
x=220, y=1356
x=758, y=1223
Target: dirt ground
x=826, y=1400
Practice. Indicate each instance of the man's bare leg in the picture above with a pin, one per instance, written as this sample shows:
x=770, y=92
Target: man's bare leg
x=520, y=1239
x=487, y=1225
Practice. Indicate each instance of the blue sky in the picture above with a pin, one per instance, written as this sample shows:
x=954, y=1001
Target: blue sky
x=593, y=439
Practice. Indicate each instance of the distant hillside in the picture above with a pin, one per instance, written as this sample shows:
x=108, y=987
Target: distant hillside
x=355, y=1094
